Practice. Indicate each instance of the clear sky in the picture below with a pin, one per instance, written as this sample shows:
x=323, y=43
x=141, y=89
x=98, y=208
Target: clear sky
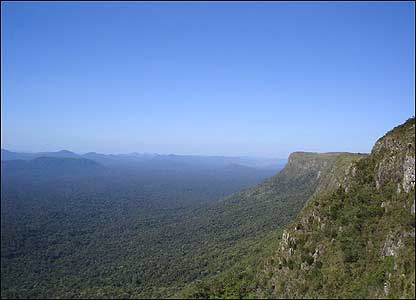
x=223, y=78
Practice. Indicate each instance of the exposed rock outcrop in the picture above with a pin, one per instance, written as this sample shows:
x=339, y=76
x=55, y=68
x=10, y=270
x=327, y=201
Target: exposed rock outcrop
x=355, y=236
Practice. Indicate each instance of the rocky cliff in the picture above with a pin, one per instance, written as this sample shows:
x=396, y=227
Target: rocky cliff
x=355, y=237
x=255, y=217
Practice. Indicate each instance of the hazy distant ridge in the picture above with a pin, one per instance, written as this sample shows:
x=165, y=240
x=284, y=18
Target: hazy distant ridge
x=186, y=160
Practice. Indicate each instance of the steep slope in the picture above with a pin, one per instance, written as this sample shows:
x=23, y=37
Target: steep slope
x=278, y=199
x=247, y=223
x=354, y=238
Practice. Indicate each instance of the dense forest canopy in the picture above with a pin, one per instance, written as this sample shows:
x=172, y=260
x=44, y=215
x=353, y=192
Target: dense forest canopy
x=111, y=226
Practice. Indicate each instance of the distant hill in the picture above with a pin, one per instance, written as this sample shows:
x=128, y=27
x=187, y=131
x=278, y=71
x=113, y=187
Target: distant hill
x=155, y=160
x=61, y=154
x=50, y=166
x=9, y=155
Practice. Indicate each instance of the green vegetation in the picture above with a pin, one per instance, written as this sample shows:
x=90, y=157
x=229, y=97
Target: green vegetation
x=244, y=279
x=239, y=281
x=328, y=225
x=361, y=235
x=121, y=233
x=127, y=235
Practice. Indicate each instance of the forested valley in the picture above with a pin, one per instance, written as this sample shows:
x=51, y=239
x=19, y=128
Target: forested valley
x=114, y=227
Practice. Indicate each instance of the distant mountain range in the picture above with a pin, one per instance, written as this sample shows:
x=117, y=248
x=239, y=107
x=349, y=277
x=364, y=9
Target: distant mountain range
x=153, y=159
x=51, y=166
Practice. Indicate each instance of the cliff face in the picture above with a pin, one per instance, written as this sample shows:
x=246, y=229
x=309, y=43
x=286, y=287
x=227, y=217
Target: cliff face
x=254, y=217
x=355, y=237
x=395, y=154
x=326, y=170
x=303, y=173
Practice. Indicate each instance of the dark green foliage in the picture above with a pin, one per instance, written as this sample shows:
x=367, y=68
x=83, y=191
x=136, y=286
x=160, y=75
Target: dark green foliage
x=124, y=233
x=365, y=233
x=276, y=202
x=133, y=236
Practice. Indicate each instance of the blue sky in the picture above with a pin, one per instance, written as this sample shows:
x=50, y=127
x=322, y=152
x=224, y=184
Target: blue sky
x=224, y=78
